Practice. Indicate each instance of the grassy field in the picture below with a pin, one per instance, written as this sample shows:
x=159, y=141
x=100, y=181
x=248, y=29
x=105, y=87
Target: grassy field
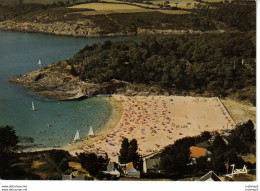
x=211, y=1
x=108, y=8
x=36, y=166
x=42, y=165
x=112, y=1
x=184, y=4
x=155, y=4
x=50, y=1
x=146, y=5
x=38, y=1
x=174, y=12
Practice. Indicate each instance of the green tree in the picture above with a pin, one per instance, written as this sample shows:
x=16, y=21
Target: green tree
x=236, y=143
x=132, y=151
x=73, y=71
x=92, y=163
x=59, y=155
x=8, y=139
x=128, y=153
x=205, y=135
x=123, y=156
x=219, y=144
x=174, y=158
x=103, y=161
x=243, y=138
x=64, y=165
x=246, y=131
x=8, y=146
x=218, y=161
x=133, y=156
x=202, y=164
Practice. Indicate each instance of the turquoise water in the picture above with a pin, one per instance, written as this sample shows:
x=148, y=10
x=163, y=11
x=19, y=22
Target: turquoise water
x=19, y=54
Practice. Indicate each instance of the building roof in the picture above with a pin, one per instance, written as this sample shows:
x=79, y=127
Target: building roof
x=197, y=152
x=210, y=176
x=204, y=144
x=132, y=170
x=72, y=177
x=152, y=155
x=130, y=167
x=112, y=166
x=114, y=173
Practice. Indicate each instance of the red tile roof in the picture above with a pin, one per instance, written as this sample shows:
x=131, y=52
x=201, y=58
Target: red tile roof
x=129, y=166
x=197, y=152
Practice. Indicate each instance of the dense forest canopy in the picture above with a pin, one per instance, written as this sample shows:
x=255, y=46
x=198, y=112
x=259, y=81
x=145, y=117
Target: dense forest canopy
x=238, y=14
x=200, y=62
x=219, y=60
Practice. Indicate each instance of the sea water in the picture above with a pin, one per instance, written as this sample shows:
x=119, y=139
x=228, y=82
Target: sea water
x=53, y=123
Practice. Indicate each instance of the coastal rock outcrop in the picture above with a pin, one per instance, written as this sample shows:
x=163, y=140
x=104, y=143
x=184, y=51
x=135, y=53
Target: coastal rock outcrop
x=85, y=29
x=57, y=28
x=55, y=81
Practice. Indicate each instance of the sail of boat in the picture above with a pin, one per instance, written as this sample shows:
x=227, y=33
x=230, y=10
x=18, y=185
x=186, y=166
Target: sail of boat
x=32, y=106
x=76, y=138
x=91, y=132
x=39, y=63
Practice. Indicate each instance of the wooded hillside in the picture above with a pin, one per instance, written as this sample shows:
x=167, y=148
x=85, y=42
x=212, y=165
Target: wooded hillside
x=218, y=63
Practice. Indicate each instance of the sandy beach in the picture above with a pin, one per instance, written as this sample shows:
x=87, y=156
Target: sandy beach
x=107, y=127
x=155, y=122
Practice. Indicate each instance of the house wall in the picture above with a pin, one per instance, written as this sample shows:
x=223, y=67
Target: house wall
x=133, y=174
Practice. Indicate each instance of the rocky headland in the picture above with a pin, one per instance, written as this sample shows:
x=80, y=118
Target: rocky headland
x=56, y=82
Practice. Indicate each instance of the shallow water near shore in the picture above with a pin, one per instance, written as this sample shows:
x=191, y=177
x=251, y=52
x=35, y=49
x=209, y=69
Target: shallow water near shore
x=19, y=54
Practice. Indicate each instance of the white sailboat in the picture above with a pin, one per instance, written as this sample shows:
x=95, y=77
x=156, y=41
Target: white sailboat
x=76, y=138
x=91, y=132
x=40, y=62
x=33, y=108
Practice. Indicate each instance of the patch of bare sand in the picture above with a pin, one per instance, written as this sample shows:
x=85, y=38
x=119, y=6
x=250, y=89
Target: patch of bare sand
x=77, y=166
x=116, y=112
x=239, y=111
x=157, y=121
x=37, y=164
x=249, y=158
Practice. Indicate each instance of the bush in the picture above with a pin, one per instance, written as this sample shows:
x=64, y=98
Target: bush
x=64, y=165
x=108, y=176
x=58, y=155
x=100, y=175
x=252, y=100
x=92, y=163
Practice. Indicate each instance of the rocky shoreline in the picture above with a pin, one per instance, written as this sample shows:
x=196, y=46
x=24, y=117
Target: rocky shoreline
x=56, y=82
x=79, y=29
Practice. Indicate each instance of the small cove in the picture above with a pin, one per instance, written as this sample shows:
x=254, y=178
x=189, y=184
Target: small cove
x=19, y=54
